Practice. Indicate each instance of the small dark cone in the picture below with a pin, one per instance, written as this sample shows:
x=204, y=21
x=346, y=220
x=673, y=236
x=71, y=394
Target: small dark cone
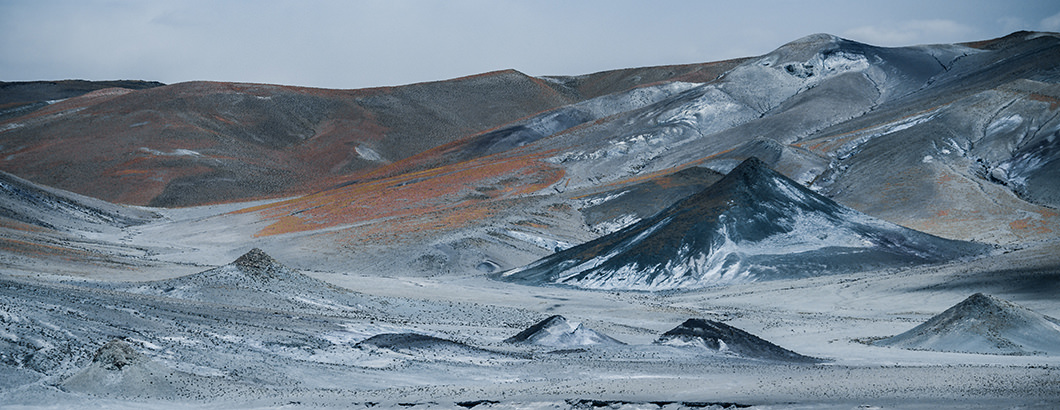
x=714, y=335
x=532, y=330
x=982, y=300
x=256, y=259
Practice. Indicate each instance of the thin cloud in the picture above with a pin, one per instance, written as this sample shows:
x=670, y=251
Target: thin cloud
x=1010, y=24
x=910, y=32
x=353, y=44
x=1051, y=23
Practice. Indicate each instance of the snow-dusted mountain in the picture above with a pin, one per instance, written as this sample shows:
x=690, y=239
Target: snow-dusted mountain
x=754, y=224
x=557, y=331
x=720, y=338
x=983, y=324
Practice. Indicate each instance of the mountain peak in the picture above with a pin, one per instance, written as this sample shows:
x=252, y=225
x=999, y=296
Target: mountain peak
x=983, y=300
x=751, y=164
x=808, y=47
x=752, y=167
x=256, y=259
x=816, y=38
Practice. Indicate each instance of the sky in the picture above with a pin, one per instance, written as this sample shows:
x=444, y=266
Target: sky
x=359, y=44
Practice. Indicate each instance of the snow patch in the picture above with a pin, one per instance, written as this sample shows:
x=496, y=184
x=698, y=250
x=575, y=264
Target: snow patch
x=725, y=262
x=712, y=111
x=6, y=316
x=368, y=153
x=615, y=225
x=594, y=201
x=180, y=152
x=1003, y=125
x=11, y=126
x=852, y=147
x=633, y=99
x=557, y=331
x=547, y=243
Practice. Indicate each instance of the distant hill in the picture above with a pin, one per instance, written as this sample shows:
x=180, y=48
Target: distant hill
x=201, y=142
x=44, y=207
x=493, y=171
x=19, y=98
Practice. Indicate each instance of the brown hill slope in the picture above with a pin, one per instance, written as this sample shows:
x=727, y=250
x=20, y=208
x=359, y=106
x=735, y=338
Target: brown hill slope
x=201, y=142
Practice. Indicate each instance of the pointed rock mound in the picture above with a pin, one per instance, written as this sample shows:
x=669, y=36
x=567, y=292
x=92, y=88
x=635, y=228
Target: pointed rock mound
x=257, y=280
x=254, y=270
x=256, y=259
x=754, y=224
x=117, y=354
x=259, y=266
x=983, y=324
x=720, y=338
x=557, y=331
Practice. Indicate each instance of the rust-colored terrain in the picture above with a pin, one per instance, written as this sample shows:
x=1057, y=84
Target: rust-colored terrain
x=389, y=242
x=197, y=143
x=502, y=160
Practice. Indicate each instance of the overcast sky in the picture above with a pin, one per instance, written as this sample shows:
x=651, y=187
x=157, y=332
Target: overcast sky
x=355, y=44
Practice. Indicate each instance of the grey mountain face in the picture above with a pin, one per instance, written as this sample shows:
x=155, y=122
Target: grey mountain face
x=918, y=136
x=29, y=203
x=755, y=224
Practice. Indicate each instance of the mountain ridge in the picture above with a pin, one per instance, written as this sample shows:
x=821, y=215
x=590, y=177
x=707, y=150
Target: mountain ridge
x=873, y=128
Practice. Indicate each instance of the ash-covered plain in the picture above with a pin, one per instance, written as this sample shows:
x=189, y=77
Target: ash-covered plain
x=829, y=225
